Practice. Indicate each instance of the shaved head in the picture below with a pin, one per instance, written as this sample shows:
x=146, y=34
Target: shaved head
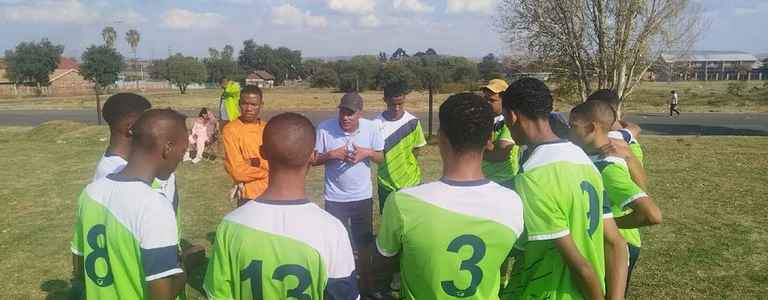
x=160, y=138
x=600, y=112
x=289, y=140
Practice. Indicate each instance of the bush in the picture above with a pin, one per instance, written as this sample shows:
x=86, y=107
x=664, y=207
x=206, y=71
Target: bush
x=324, y=78
x=737, y=88
x=350, y=83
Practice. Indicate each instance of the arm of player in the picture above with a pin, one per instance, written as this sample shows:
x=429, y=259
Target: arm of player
x=500, y=151
x=644, y=213
x=616, y=258
x=581, y=269
x=218, y=276
x=637, y=171
x=237, y=166
x=167, y=288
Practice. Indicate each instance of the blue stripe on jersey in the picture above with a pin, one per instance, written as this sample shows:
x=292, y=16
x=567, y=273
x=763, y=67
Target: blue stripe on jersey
x=626, y=136
x=159, y=260
x=399, y=134
x=342, y=288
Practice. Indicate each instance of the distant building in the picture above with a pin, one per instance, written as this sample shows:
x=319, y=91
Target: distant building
x=65, y=81
x=707, y=65
x=261, y=78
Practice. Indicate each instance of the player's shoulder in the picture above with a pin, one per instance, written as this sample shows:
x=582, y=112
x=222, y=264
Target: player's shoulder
x=554, y=153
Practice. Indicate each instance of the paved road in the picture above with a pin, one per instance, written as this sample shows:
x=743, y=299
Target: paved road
x=747, y=124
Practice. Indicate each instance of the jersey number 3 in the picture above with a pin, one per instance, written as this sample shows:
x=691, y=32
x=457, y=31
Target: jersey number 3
x=253, y=272
x=470, y=265
x=594, y=207
x=97, y=240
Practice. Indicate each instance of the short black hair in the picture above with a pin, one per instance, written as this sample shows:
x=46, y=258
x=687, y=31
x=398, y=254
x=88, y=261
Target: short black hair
x=466, y=119
x=155, y=125
x=596, y=111
x=252, y=90
x=606, y=95
x=396, y=89
x=529, y=96
x=120, y=105
x=290, y=140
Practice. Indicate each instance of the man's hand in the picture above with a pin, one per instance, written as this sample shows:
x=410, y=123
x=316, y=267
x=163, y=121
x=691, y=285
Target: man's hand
x=358, y=154
x=338, y=153
x=618, y=148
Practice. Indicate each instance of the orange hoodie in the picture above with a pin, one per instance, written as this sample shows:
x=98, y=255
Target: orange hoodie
x=241, y=144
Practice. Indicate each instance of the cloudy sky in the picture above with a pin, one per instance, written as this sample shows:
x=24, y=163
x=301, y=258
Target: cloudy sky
x=317, y=27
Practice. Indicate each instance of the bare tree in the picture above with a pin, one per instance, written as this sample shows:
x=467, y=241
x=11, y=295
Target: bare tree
x=133, y=38
x=601, y=43
x=109, y=35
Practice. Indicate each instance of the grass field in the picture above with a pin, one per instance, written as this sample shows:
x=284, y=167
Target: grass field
x=713, y=243
x=696, y=96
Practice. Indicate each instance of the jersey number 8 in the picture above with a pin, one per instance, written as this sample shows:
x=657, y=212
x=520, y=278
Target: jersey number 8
x=97, y=240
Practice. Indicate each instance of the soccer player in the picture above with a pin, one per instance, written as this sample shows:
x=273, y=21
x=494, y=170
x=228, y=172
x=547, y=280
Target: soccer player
x=453, y=235
x=125, y=238
x=562, y=194
x=629, y=203
x=120, y=112
x=620, y=130
x=402, y=135
x=500, y=164
x=281, y=245
x=228, y=104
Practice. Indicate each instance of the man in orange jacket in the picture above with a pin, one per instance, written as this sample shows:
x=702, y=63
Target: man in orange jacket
x=242, y=140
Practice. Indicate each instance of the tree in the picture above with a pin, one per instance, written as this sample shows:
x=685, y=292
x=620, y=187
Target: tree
x=490, y=68
x=219, y=65
x=282, y=62
x=133, y=37
x=109, y=35
x=396, y=71
x=101, y=65
x=359, y=72
x=33, y=62
x=324, y=77
x=181, y=71
x=602, y=43
x=399, y=54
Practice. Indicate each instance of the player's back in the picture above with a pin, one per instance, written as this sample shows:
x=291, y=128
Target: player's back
x=562, y=192
x=452, y=237
x=278, y=250
x=127, y=236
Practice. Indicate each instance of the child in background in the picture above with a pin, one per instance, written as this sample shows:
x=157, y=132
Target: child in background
x=203, y=131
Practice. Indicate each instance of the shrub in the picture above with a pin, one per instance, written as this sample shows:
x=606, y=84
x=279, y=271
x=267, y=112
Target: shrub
x=737, y=88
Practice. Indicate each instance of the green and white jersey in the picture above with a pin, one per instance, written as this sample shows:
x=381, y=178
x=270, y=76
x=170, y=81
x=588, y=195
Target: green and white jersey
x=621, y=191
x=127, y=236
x=452, y=237
x=626, y=136
x=280, y=250
x=400, y=168
x=562, y=194
x=502, y=172
x=111, y=164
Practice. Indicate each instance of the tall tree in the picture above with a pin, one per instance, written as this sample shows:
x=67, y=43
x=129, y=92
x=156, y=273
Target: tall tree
x=602, y=43
x=490, y=67
x=181, y=71
x=133, y=38
x=109, y=35
x=281, y=62
x=101, y=65
x=33, y=62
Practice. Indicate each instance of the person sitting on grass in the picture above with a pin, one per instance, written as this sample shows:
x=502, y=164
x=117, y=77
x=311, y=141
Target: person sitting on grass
x=125, y=241
x=203, y=129
x=281, y=245
x=629, y=203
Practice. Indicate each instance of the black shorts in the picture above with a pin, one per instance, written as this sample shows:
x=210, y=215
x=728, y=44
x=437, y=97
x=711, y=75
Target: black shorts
x=357, y=217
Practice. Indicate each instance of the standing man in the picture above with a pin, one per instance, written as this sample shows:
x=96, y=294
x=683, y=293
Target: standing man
x=673, y=104
x=242, y=140
x=403, y=136
x=453, y=235
x=228, y=104
x=265, y=246
x=346, y=145
x=620, y=130
x=500, y=163
x=125, y=241
x=562, y=194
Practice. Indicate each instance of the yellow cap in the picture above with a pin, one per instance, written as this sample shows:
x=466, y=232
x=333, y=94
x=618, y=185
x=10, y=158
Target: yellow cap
x=497, y=85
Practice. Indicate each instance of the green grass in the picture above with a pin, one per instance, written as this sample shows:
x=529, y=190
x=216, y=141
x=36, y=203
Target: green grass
x=713, y=243
x=695, y=96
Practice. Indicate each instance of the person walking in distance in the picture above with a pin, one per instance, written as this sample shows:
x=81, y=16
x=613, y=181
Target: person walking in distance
x=673, y=104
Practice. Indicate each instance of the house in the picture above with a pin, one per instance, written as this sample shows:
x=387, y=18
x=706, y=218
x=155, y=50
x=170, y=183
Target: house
x=65, y=81
x=261, y=78
x=707, y=65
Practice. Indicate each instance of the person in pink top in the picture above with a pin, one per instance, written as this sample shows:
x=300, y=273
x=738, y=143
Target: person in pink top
x=203, y=130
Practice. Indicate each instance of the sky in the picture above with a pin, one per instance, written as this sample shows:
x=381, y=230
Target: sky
x=320, y=28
